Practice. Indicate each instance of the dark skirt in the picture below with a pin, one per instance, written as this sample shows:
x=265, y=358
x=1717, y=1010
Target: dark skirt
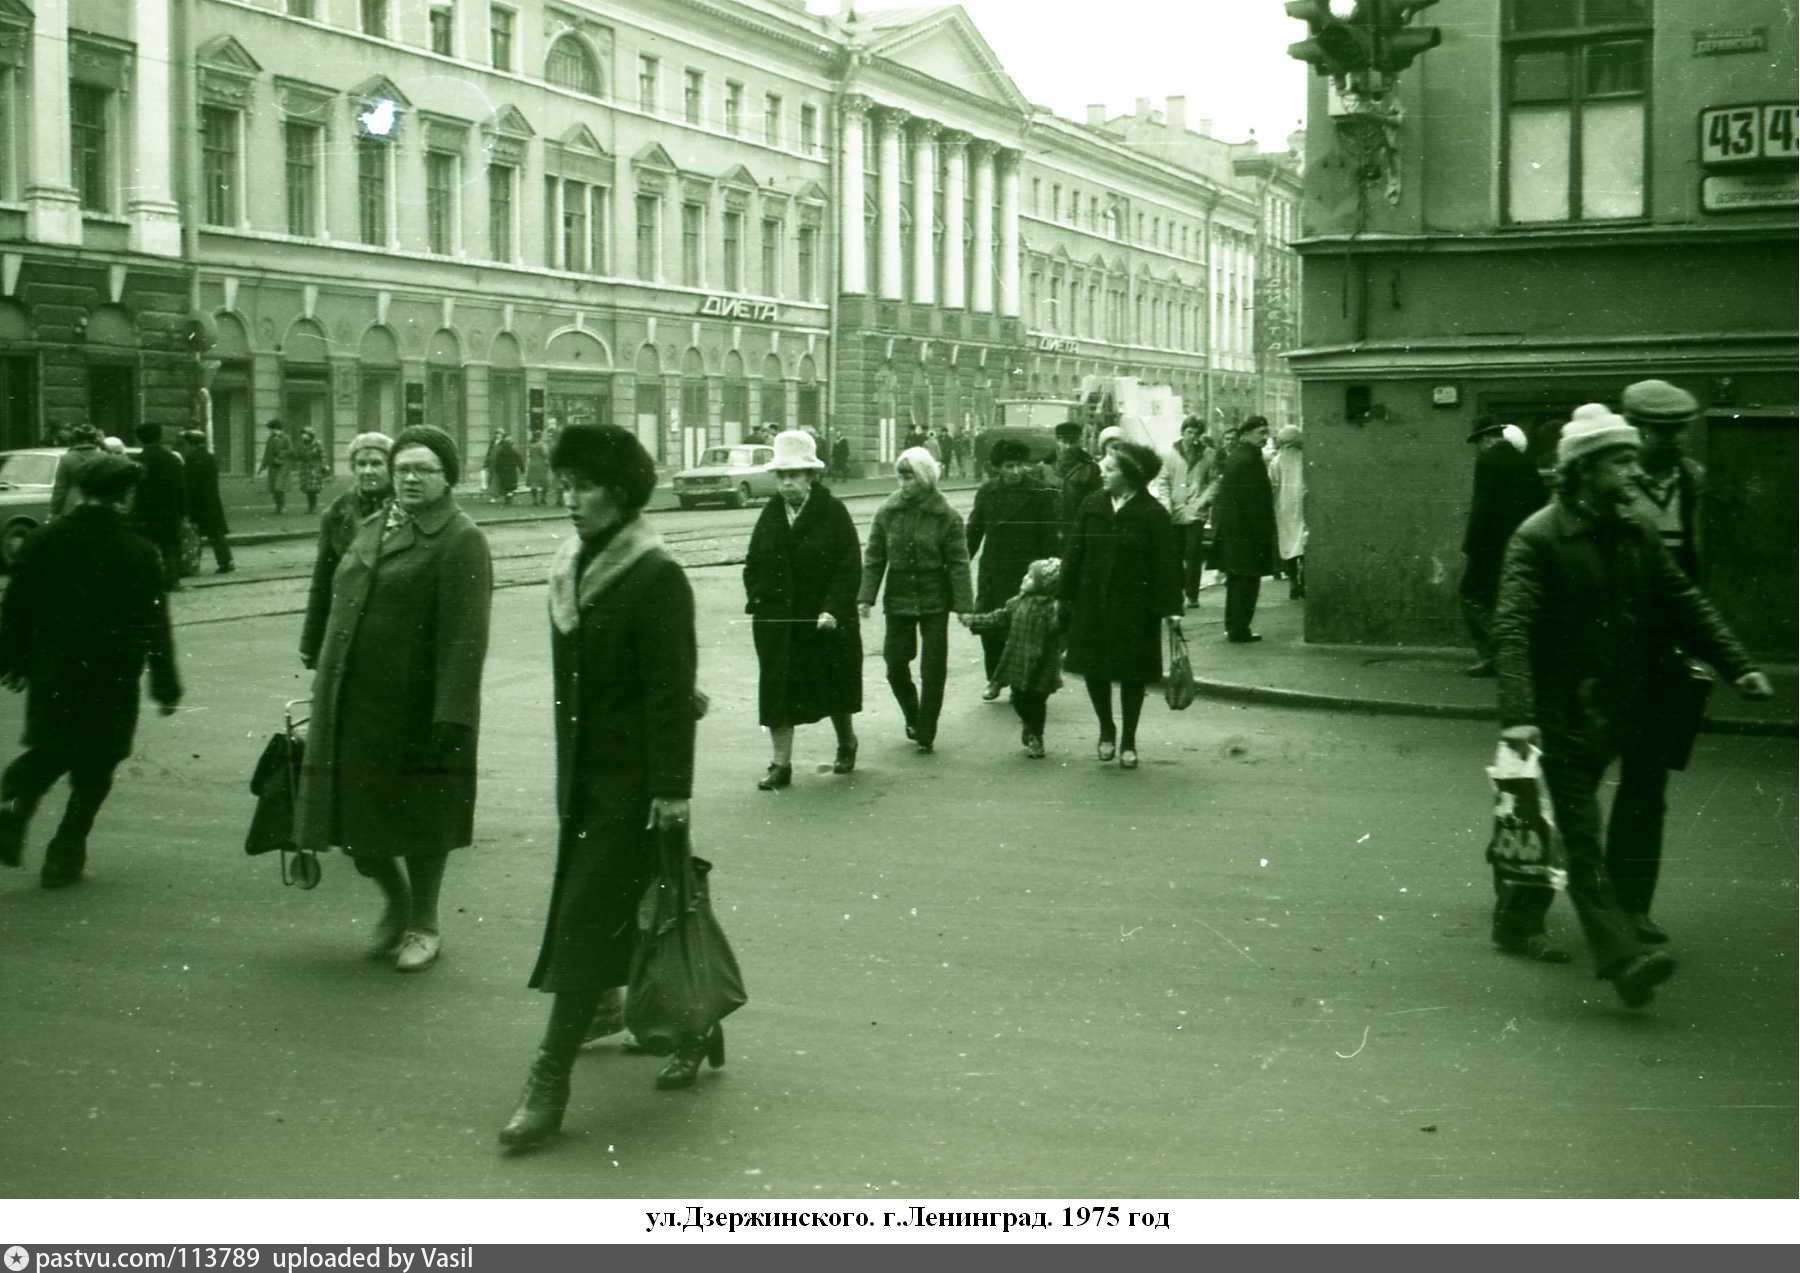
x=605, y=857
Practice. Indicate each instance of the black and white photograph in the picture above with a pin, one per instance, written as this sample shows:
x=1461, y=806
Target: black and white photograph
x=930, y=611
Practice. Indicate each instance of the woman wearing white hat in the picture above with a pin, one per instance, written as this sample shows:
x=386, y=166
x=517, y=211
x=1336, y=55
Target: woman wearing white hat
x=800, y=579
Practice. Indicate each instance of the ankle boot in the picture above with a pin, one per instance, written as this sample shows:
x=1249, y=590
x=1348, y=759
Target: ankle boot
x=540, y=1112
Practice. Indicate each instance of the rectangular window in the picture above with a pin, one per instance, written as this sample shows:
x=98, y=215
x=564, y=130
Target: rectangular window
x=809, y=130
x=89, y=145
x=300, y=8
x=552, y=223
x=440, y=194
x=375, y=18
x=693, y=96
x=1074, y=206
x=647, y=208
x=575, y=226
x=772, y=119
x=734, y=249
x=1037, y=196
x=599, y=223
x=734, y=107
x=771, y=257
x=372, y=191
x=693, y=223
x=647, y=95
x=501, y=180
x=1576, y=89
x=500, y=36
x=807, y=266
x=1056, y=203
x=219, y=164
x=301, y=142
x=443, y=29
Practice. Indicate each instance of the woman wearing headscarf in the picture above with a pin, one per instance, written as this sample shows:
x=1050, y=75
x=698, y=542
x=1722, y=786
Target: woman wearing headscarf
x=337, y=531
x=623, y=657
x=389, y=769
x=1121, y=581
x=800, y=579
x=917, y=544
x=310, y=467
x=1287, y=479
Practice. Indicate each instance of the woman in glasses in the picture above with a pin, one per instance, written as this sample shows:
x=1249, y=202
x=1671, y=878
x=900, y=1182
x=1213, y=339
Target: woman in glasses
x=389, y=773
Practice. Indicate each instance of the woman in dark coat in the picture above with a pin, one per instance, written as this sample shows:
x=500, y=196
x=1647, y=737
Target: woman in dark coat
x=1016, y=519
x=800, y=579
x=623, y=658
x=389, y=772
x=504, y=464
x=337, y=531
x=1121, y=581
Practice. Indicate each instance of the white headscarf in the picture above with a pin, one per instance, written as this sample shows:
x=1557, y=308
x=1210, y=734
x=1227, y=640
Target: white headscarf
x=923, y=464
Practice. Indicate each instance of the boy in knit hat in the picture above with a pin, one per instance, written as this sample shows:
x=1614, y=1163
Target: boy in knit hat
x=1591, y=607
x=1031, y=662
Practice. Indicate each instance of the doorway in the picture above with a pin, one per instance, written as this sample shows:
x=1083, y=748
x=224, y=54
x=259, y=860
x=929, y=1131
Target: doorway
x=18, y=402
x=1749, y=526
x=112, y=400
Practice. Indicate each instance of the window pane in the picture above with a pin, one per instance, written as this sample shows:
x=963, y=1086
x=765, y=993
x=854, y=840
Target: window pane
x=302, y=179
x=500, y=212
x=87, y=144
x=1544, y=15
x=646, y=236
x=440, y=186
x=219, y=164
x=569, y=66
x=443, y=22
x=1601, y=12
x=500, y=29
x=1612, y=159
x=1537, y=164
x=597, y=231
x=1541, y=76
x=574, y=225
x=1617, y=67
x=371, y=174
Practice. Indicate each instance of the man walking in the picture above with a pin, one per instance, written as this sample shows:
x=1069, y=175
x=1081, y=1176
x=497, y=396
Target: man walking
x=1244, y=528
x=1507, y=491
x=1076, y=472
x=161, y=500
x=83, y=615
x=276, y=451
x=1591, y=608
x=1672, y=485
x=84, y=445
x=1187, y=473
x=204, y=507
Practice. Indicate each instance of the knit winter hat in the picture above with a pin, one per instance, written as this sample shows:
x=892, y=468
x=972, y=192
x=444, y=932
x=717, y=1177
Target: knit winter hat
x=924, y=467
x=1593, y=429
x=377, y=441
x=1108, y=434
x=437, y=442
x=1657, y=403
x=1041, y=577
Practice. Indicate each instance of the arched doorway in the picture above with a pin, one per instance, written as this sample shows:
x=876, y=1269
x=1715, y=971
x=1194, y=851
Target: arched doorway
x=772, y=409
x=579, y=387
x=18, y=379
x=112, y=372
x=306, y=380
x=506, y=384
x=379, y=376
x=446, y=391
x=648, y=372
x=233, y=431
x=734, y=400
x=693, y=407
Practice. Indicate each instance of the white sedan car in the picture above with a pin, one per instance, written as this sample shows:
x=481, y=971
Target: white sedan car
x=731, y=475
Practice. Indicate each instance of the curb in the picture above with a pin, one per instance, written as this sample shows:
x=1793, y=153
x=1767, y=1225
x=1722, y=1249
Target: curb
x=1306, y=700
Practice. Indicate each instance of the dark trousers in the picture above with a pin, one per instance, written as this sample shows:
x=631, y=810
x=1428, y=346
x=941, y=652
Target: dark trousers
x=993, y=645
x=34, y=773
x=905, y=634
x=1032, y=708
x=1241, y=592
x=1575, y=796
x=1295, y=570
x=167, y=538
x=221, y=550
x=1478, y=618
x=1191, y=538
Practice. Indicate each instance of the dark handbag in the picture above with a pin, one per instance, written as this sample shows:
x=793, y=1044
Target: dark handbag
x=1178, y=682
x=684, y=978
x=1689, y=687
x=272, y=823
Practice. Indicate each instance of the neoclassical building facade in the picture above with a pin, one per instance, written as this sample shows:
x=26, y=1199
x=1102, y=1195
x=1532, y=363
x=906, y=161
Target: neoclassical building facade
x=692, y=218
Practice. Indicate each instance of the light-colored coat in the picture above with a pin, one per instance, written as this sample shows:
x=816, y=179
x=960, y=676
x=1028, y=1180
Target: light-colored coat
x=1287, y=479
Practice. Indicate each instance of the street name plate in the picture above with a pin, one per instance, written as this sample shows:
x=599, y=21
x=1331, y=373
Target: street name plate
x=1730, y=40
x=1747, y=191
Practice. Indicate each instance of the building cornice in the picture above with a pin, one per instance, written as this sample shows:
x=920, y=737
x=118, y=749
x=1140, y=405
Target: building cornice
x=1541, y=239
x=1539, y=356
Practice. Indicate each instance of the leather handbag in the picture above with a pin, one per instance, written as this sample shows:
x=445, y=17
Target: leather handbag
x=1178, y=681
x=684, y=976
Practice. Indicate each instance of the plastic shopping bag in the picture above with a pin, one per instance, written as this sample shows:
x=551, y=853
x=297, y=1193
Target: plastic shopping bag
x=1524, y=847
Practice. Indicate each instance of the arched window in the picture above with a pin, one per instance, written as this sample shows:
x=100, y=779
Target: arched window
x=570, y=65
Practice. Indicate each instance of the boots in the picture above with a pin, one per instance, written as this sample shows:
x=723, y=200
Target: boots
x=540, y=1113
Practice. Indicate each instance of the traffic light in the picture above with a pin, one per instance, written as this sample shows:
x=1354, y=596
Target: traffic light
x=1397, y=42
x=1340, y=41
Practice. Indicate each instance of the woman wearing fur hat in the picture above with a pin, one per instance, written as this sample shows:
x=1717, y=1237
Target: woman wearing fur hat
x=1121, y=577
x=1031, y=657
x=389, y=772
x=917, y=544
x=623, y=657
x=337, y=531
x=800, y=579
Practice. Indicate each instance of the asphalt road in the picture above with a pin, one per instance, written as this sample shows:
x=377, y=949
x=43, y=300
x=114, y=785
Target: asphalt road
x=1257, y=967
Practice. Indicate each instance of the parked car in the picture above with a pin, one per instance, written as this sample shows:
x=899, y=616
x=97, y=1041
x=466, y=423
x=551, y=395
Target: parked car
x=26, y=478
x=731, y=475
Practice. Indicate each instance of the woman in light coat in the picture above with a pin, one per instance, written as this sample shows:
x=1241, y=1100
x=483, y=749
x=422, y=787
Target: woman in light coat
x=1287, y=479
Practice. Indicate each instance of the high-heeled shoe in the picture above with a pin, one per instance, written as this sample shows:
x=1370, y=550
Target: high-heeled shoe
x=779, y=776
x=540, y=1112
x=846, y=758
x=684, y=1067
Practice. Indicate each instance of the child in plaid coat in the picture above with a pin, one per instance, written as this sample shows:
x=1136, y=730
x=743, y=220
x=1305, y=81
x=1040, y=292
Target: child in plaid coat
x=1031, y=663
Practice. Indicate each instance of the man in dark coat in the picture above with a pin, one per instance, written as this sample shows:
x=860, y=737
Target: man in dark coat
x=1591, y=610
x=1244, y=528
x=162, y=500
x=1507, y=491
x=1077, y=474
x=205, y=509
x=1016, y=520
x=83, y=615
x=84, y=445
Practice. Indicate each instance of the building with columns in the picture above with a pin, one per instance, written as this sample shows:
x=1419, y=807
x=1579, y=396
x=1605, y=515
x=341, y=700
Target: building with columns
x=693, y=218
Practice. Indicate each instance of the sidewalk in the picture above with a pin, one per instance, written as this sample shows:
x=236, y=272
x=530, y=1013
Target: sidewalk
x=1282, y=669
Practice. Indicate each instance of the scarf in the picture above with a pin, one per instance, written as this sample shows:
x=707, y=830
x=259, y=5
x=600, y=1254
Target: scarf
x=575, y=586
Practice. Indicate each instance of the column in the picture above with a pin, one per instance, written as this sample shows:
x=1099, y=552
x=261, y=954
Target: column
x=852, y=242
x=553, y=222
x=925, y=134
x=892, y=121
x=1009, y=236
x=981, y=289
x=53, y=211
x=155, y=219
x=955, y=259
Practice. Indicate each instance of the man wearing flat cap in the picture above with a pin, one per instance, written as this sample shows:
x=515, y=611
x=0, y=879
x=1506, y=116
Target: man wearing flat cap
x=1507, y=491
x=1673, y=485
x=1077, y=474
x=82, y=617
x=1592, y=608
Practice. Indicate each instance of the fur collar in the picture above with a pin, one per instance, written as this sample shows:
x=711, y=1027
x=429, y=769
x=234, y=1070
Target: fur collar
x=569, y=596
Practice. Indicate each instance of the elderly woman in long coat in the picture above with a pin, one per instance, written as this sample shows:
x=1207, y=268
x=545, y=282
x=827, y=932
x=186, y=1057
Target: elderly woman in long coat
x=800, y=580
x=1013, y=524
x=1287, y=481
x=389, y=769
x=623, y=657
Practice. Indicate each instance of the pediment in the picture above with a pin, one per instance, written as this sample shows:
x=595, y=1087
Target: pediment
x=379, y=88
x=654, y=156
x=737, y=175
x=224, y=53
x=15, y=14
x=944, y=45
x=811, y=192
x=509, y=121
x=580, y=138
